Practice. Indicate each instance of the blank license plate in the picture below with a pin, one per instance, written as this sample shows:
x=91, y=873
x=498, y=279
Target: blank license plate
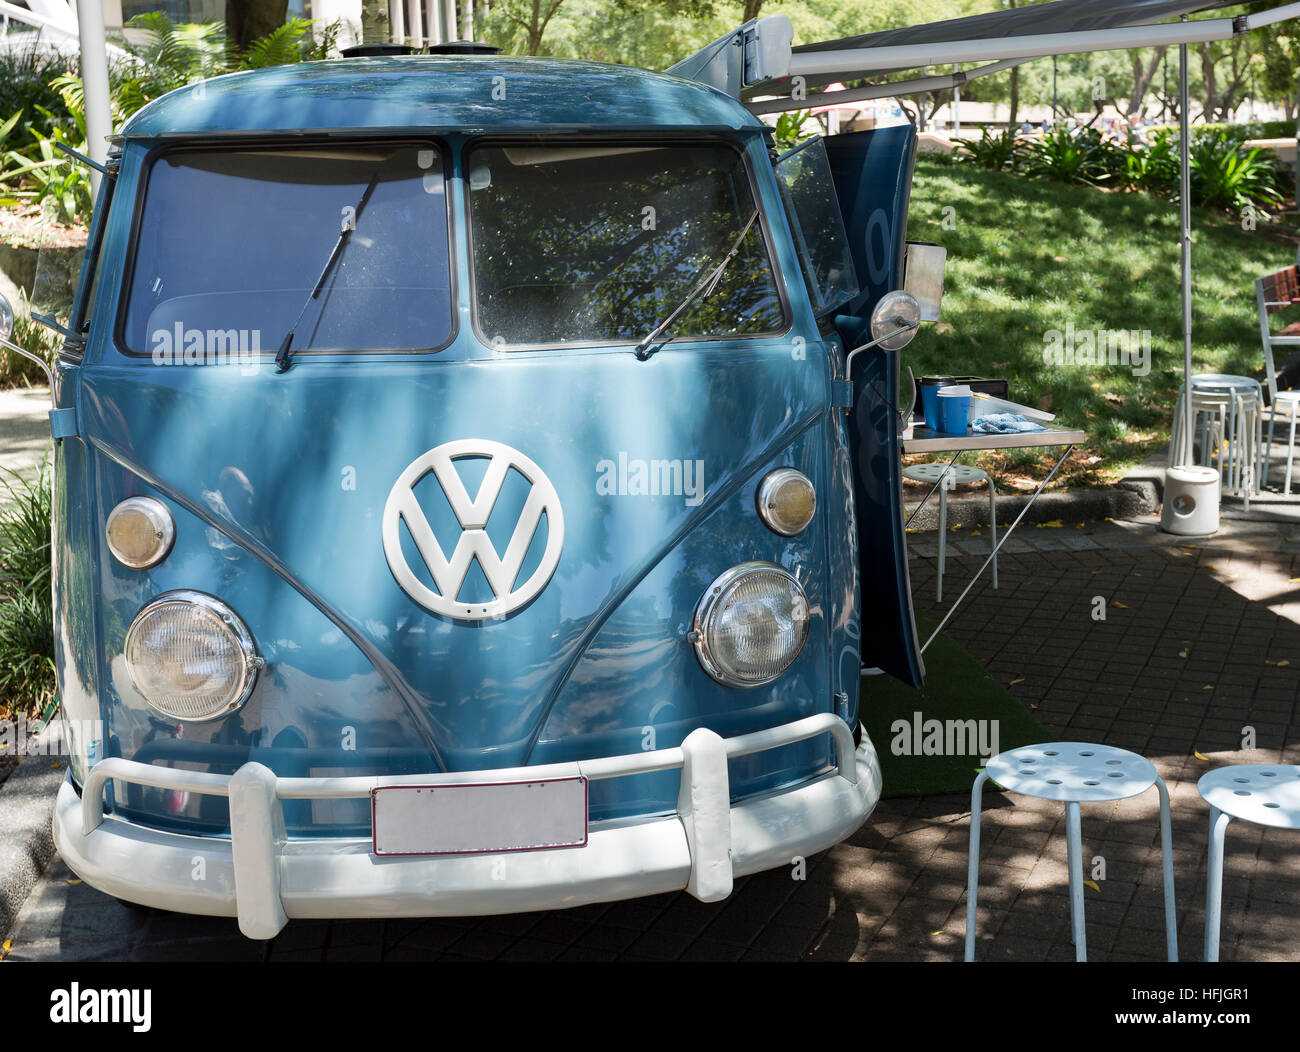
x=473, y=819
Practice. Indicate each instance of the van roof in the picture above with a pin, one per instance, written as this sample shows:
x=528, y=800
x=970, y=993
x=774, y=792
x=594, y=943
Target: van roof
x=449, y=93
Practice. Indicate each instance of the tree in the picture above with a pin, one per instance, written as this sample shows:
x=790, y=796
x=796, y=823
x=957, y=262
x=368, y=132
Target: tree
x=246, y=20
x=375, y=27
x=1146, y=61
x=530, y=16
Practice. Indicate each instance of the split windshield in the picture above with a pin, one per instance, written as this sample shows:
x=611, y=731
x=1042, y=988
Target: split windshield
x=599, y=243
x=232, y=242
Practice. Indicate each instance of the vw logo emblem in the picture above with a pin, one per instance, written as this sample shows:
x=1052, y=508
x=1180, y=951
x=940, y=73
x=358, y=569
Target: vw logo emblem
x=501, y=570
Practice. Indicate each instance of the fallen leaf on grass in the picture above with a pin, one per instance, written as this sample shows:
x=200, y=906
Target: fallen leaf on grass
x=1018, y=679
x=1278, y=664
x=1118, y=605
x=1092, y=884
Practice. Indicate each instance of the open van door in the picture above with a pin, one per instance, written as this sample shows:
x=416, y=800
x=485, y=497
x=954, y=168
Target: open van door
x=872, y=174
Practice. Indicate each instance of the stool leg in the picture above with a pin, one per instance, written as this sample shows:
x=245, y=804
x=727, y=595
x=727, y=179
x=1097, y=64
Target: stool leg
x=1167, y=860
x=973, y=861
x=1074, y=857
x=993, y=528
x=1214, y=883
x=943, y=535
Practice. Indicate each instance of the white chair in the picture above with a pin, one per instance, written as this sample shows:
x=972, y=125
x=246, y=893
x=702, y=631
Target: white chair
x=948, y=476
x=1273, y=293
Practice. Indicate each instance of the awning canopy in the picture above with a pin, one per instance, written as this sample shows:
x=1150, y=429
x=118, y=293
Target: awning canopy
x=993, y=36
x=757, y=60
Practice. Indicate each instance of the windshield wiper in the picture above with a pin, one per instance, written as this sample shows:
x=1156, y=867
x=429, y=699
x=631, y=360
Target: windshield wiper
x=703, y=288
x=282, y=359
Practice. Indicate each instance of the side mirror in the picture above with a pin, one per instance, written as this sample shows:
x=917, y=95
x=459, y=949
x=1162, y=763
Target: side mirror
x=924, y=273
x=6, y=334
x=895, y=320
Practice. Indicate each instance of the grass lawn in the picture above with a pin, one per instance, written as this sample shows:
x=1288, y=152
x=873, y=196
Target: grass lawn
x=957, y=687
x=1026, y=256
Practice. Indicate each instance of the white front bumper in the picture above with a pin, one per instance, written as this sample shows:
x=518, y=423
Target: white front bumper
x=262, y=877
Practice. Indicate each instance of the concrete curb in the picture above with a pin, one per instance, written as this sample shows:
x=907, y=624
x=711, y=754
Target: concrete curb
x=26, y=836
x=1127, y=500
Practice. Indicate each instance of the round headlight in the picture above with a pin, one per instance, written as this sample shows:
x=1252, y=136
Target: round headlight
x=786, y=501
x=750, y=625
x=140, y=532
x=191, y=657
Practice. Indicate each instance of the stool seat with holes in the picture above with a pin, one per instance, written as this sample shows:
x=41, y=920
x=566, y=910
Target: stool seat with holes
x=947, y=476
x=1072, y=773
x=1266, y=794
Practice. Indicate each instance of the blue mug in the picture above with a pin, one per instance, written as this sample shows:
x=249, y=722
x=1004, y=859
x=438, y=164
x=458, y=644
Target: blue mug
x=953, y=413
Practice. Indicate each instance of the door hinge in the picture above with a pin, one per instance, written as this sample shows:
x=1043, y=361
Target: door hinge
x=63, y=423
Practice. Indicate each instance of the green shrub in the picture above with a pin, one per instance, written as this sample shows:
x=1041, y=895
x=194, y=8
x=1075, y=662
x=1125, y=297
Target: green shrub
x=1241, y=132
x=27, y=681
x=1225, y=175
x=997, y=152
x=26, y=88
x=1152, y=166
x=1069, y=156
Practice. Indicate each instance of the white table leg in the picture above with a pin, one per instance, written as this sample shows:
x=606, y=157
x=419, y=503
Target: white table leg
x=993, y=528
x=973, y=862
x=1074, y=856
x=943, y=534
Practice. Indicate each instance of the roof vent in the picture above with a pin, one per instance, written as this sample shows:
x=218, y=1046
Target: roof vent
x=463, y=47
x=370, y=50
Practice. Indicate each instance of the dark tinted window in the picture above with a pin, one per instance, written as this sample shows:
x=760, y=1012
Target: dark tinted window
x=583, y=243
x=236, y=242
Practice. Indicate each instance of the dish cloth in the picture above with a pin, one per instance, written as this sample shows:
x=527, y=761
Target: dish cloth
x=1004, y=424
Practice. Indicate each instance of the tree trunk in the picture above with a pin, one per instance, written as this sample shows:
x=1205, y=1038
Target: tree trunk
x=1142, y=78
x=374, y=21
x=247, y=20
x=751, y=9
x=1208, y=84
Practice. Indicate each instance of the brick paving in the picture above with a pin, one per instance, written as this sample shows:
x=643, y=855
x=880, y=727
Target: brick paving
x=1200, y=640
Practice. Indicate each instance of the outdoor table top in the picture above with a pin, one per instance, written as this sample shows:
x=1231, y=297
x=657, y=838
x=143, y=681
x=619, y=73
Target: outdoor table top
x=927, y=440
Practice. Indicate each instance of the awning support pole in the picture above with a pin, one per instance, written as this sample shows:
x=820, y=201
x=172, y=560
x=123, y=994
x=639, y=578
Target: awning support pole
x=1185, y=209
x=94, y=82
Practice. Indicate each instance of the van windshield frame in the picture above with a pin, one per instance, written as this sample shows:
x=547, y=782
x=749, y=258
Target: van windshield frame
x=747, y=197
x=320, y=220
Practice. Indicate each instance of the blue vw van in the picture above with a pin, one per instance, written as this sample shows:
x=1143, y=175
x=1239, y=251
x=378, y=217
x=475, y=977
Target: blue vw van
x=470, y=497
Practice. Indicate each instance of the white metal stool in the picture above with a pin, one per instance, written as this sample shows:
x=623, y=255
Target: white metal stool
x=1266, y=794
x=1075, y=773
x=1229, y=421
x=948, y=476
